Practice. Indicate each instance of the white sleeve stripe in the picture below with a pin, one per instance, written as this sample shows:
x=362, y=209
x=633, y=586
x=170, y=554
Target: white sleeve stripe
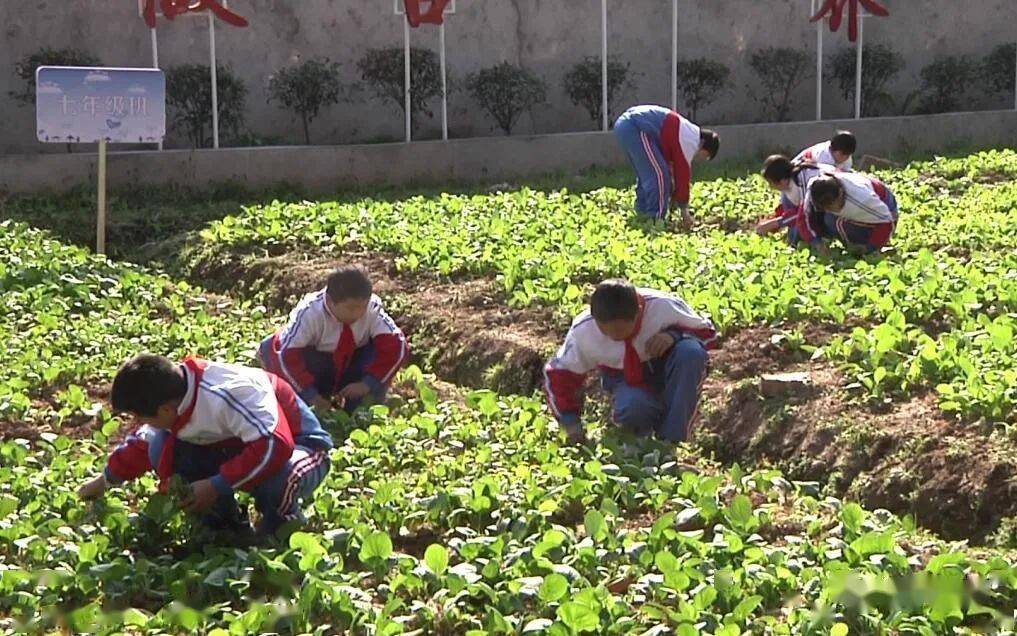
x=290, y=377
x=661, y=203
x=291, y=332
x=244, y=412
x=261, y=466
x=872, y=210
x=387, y=321
x=297, y=474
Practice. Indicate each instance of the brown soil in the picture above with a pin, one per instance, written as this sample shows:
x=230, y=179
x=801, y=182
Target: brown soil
x=77, y=426
x=907, y=456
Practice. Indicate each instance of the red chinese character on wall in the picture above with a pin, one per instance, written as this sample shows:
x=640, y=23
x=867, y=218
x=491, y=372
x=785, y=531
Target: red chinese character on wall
x=173, y=8
x=433, y=15
x=834, y=9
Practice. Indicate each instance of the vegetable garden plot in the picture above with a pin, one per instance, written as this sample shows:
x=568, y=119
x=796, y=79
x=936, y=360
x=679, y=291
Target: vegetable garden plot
x=623, y=537
x=943, y=301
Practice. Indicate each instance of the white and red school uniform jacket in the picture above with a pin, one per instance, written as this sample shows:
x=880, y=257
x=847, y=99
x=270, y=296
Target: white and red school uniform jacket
x=587, y=348
x=791, y=200
x=226, y=405
x=679, y=140
x=867, y=201
x=313, y=325
x=820, y=153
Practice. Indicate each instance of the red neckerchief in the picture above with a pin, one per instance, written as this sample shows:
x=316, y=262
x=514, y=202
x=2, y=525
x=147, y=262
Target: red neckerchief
x=344, y=349
x=632, y=366
x=165, y=466
x=343, y=353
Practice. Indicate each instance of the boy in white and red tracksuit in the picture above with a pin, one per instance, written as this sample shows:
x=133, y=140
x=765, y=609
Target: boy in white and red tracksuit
x=836, y=152
x=338, y=342
x=661, y=145
x=651, y=350
x=222, y=428
x=791, y=179
x=855, y=208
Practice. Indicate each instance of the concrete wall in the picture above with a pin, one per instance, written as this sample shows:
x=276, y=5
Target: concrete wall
x=547, y=36
x=325, y=169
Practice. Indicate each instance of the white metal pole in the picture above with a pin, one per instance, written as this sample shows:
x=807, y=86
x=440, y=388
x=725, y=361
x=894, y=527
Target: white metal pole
x=406, y=78
x=155, y=49
x=858, y=68
x=100, y=227
x=819, y=65
x=674, y=56
x=215, y=81
x=603, y=63
x=155, y=59
x=444, y=85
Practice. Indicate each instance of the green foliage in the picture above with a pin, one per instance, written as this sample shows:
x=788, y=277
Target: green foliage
x=141, y=217
x=26, y=66
x=436, y=558
x=506, y=91
x=945, y=83
x=384, y=72
x=700, y=81
x=880, y=64
x=613, y=538
x=997, y=69
x=189, y=94
x=518, y=566
x=949, y=252
x=306, y=88
x=78, y=316
x=780, y=70
x=584, y=84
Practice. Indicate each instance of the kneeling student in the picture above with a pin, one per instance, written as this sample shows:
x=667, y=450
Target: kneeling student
x=791, y=180
x=838, y=152
x=855, y=208
x=651, y=349
x=222, y=428
x=338, y=342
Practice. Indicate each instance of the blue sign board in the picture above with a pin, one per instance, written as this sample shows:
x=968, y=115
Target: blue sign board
x=85, y=104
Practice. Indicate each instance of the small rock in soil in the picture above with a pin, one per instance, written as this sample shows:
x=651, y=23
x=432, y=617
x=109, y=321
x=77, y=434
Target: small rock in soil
x=784, y=383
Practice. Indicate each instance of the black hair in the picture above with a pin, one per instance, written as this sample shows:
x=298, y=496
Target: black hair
x=825, y=191
x=349, y=283
x=614, y=299
x=844, y=141
x=777, y=168
x=146, y=382
x=709, y=141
